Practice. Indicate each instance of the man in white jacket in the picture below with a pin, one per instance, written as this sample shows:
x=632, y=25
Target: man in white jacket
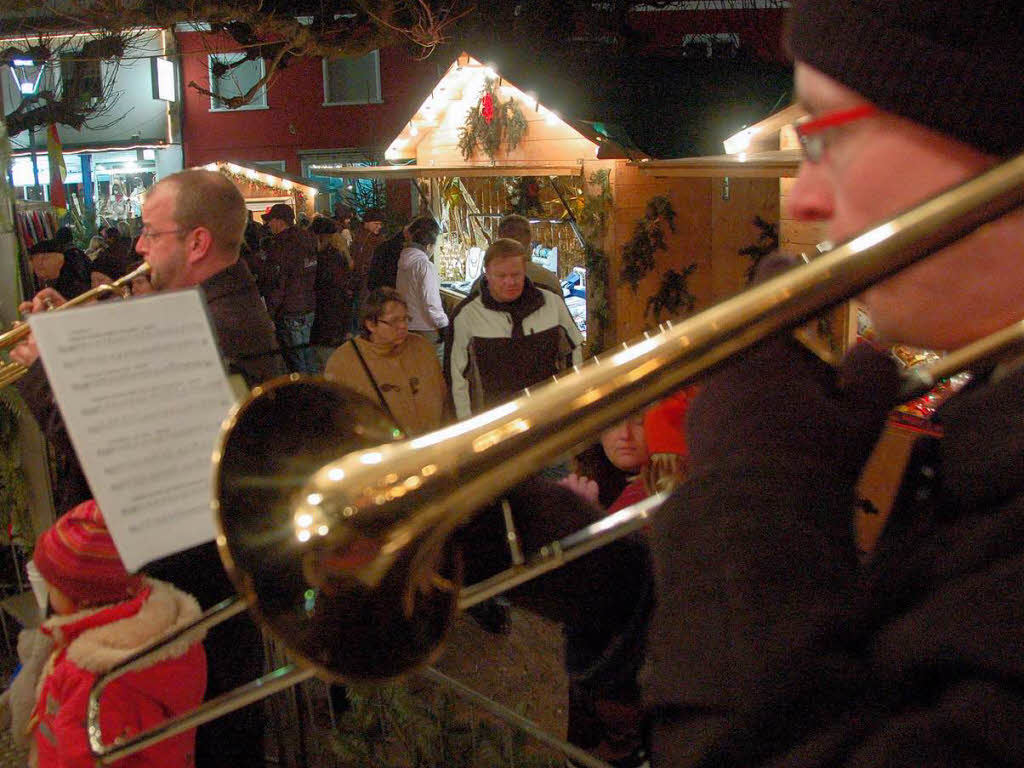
x=418, y=283
x=509, y=336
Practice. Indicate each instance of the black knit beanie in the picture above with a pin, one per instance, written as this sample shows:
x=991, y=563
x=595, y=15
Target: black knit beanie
x=956, y=66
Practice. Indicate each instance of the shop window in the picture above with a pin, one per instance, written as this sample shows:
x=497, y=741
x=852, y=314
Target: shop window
x=80, y=78
x=227, y=81
x=352, y=80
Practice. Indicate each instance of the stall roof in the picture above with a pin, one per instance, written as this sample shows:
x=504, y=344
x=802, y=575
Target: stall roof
x=269, y=178
x=773, y=164
x=444, y=111
x=571, y=168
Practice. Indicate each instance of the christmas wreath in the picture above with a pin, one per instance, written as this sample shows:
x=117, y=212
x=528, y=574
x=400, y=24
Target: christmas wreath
x=492, y=123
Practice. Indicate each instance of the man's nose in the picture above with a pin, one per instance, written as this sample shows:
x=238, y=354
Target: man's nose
x=810, y=196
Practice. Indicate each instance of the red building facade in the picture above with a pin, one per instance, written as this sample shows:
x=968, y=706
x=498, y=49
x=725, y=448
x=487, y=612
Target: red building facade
x=294, y=124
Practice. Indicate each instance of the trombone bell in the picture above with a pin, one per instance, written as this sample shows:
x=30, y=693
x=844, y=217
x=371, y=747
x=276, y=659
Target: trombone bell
x=296, y=571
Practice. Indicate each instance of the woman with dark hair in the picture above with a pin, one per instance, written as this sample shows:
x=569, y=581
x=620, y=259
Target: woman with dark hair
x=418, y=281
x=391, y=366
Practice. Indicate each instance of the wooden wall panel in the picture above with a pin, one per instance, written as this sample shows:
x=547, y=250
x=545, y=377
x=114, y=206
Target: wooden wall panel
x=734, y=228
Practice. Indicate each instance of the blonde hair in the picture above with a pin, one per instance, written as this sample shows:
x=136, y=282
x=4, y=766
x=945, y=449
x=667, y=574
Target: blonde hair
x=502, y=248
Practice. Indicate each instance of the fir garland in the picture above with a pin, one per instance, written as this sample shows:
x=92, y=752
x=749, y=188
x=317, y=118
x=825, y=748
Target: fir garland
x=593, y=220
x=491, y=124
x=674, y=294
x=767, y=241
x=648, y=237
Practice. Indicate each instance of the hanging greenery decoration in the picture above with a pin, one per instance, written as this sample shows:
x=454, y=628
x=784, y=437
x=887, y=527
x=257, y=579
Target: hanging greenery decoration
x=767, y=242
x=523, y=194
x=14, y=511
x=648, y=237
x=673, y=296
x=592, y=216
x=491, y=124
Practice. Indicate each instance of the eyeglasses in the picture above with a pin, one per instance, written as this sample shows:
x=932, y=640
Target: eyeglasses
x=813, y=133
x=403, y=320
x=145, y=233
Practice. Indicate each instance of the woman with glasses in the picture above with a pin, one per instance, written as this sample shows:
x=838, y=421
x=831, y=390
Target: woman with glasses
x=391, y=366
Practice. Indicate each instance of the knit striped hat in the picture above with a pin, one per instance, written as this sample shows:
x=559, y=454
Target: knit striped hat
x=77, y=556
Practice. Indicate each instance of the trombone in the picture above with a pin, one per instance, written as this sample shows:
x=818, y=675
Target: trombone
x=11, y=371
x=337, y=534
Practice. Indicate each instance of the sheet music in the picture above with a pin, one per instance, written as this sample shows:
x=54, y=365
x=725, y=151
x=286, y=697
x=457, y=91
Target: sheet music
x=143, y=392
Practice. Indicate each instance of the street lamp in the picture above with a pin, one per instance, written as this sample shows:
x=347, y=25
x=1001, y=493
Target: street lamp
x=27, y=74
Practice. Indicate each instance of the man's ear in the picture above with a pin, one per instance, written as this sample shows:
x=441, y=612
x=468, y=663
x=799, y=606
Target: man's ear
x=198, y=245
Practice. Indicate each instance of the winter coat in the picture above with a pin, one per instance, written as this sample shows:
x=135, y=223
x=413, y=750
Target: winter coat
x=91, y=642
x=496, y=350
x=408, y=376
x=333, y=297
x=384, y=264
x=291, y=257
x=417, y=282
x=770, y=647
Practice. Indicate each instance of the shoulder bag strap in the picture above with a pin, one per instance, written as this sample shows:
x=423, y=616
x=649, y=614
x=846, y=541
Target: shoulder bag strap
x=380, y=395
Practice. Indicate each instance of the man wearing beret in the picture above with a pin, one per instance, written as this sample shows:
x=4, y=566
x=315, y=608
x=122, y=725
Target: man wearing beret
x=66, y=273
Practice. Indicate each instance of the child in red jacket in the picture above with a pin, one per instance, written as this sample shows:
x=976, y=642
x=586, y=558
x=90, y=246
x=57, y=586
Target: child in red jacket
x=104, y=615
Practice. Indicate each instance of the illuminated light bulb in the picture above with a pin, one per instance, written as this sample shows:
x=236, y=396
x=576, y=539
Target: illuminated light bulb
x=413, y=130
x=304, y=520
x=336, y=474
x=212, y=167
x=322, y=530
x=234, y=168
x=286, y=184
x=314, y=500
x=303, y=535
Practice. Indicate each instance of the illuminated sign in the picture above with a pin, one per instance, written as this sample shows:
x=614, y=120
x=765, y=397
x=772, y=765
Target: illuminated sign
x=163, y=79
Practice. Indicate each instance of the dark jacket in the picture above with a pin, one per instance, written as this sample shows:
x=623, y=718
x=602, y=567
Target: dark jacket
x=291, y=258
x=363, y=246
x=769, y=646
x=74, y=278
x=245, y=337
x=384, y=264
x=333, y=298
x=245, y=334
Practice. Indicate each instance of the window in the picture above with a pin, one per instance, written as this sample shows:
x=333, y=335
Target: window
x=352, y=80
x=80, y=79
x=227, y=81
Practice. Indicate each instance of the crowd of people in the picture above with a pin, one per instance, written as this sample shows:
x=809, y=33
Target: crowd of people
x=742, y=628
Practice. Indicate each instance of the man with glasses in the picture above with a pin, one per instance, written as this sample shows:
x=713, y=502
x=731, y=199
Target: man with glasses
x=769, y=643
x=193, y=223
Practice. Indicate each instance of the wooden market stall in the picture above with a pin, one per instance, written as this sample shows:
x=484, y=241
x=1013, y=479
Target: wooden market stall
x=587, y=194
x=262, y=188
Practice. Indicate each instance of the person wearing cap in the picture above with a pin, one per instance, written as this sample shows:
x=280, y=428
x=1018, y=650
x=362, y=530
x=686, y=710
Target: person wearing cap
x=54, y=266
x=365, y=241
x=770, y=641
x=291, y=255
x=104, y=615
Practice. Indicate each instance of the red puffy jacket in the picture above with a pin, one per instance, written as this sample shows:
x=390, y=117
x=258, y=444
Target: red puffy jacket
x=93, y=641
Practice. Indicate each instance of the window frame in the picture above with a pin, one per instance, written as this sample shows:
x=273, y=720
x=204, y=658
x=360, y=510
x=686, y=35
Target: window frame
x=216, y=105
x=70, y=72
x=375, y=53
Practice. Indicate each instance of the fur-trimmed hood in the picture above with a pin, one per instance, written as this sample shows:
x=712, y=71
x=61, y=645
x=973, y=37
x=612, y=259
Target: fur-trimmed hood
x=97, y=639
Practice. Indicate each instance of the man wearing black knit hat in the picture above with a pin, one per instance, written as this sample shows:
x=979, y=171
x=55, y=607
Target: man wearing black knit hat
x=769, y=643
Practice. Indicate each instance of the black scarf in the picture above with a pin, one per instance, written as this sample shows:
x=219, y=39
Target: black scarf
x=529, y=301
